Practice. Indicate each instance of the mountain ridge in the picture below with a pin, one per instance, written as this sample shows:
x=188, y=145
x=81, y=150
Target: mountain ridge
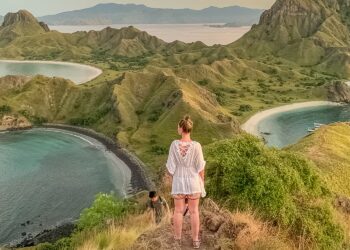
x=22, y=23
x=309, y=33
x=22, y=35
x=111, y=13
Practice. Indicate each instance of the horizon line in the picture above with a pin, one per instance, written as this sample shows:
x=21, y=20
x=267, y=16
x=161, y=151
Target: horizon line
x=201, y=9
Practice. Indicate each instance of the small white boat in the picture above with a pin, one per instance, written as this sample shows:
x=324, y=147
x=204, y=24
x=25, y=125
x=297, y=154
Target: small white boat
x=318, y=125
x=311, y=130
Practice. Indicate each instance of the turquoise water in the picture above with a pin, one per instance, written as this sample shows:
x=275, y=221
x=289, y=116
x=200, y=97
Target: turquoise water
x=48, y=176
x=289, y=127
x=74, y=72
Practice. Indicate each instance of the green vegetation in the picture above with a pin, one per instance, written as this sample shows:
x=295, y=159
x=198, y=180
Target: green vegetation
x=328, y=148
x=282, y=186
x=203, y=82
x=105, y=207
x=4, y=109
x=92, y=118
x=245, y=108
x=105, y=211
x=36, y=120
x=148, y=85
x=159, y=150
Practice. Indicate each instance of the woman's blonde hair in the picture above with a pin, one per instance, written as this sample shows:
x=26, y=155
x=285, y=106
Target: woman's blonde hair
x=186, y=124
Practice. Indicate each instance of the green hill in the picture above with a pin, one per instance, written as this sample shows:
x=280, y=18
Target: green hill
x=307, y=32
x=22, y=36
x=328, y=147
x=20, y=24
x=147, y=84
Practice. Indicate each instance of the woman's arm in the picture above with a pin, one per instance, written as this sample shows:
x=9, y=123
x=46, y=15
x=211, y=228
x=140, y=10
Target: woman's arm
x=171, y=164
x=200, y=162
x=169, y=177
x=202, y=175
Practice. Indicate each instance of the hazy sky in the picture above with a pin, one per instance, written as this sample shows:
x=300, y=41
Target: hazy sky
x=41, y=7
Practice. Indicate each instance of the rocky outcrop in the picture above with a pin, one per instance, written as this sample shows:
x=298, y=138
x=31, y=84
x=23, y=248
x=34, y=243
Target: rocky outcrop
x=13, y=82
x=44, y=26
x=24, y=17
x=12, y=122
x=339, y=92
x=48, y=235
x=308, y=32
x=21, y=16
x=343, y=203
x=218, y=226
x=20, y=23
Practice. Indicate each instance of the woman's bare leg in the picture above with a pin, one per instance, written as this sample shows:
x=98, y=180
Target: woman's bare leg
x=195, y=222
x=178, y=217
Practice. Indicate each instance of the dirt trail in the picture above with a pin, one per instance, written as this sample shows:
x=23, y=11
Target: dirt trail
x=218, y=231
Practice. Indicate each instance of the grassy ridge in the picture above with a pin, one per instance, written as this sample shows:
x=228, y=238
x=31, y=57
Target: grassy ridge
x=310, y=33
x=329, y=148
x=141, y=107
x=282, y=186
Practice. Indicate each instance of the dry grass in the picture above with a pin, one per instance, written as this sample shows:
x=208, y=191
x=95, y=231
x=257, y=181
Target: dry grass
x=118, y=236
x=344, y=220
x=259, y=234
x=329, y=149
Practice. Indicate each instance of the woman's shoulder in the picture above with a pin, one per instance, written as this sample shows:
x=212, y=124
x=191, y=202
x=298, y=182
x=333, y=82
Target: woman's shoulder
x=197, y=144
x=193, y=142
x=174, y=142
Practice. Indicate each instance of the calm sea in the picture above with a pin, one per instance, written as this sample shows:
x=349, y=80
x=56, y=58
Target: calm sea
x=48, y=177
x=289, y=127
x=171, y=32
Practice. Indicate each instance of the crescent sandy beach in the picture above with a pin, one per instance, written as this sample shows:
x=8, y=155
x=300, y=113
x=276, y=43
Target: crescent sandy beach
x=93, y=71
x=251, y=126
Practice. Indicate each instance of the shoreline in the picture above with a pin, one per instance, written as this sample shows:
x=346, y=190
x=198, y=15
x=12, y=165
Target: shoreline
x=251, y=125
x=96, y=71
x=139, y=180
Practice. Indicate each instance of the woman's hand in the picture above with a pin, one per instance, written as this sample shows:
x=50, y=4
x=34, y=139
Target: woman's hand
x=169, y=178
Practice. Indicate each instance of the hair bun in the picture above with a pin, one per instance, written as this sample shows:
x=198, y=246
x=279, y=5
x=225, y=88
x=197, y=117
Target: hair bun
x=186, y=124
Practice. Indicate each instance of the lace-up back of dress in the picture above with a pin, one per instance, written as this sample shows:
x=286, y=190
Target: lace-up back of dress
x=184, y=148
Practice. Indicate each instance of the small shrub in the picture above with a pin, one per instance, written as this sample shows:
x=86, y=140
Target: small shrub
x=63, y=244
x=245, y=108
x=46, y=246
x=236, y=113
x=155, y=115
x=159, y=150
x=5, y=109
x=104, y=207
x=203, y=82
x=282, y=186
x=139, y=112
x=38, y=120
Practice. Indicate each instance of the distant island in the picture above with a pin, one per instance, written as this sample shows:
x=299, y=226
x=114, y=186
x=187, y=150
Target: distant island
x=111, y=13
x=231, y=25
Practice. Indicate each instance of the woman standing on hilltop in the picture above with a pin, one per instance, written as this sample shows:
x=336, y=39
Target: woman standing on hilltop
x=186, y=167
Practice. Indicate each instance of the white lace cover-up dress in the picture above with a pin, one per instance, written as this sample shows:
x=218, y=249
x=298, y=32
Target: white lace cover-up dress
x=185, y=162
